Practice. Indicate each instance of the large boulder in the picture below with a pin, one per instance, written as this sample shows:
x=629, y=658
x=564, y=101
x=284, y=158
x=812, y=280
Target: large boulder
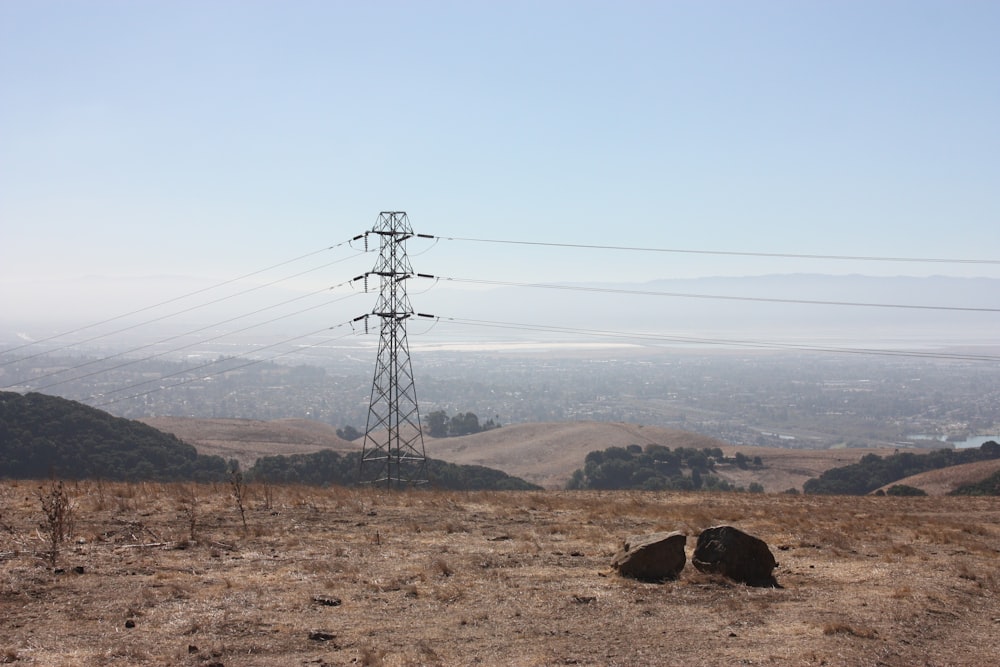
x=655, y=557
x=734, y=554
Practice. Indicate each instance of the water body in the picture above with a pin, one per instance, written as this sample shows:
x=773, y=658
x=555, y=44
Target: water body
x=974, y=441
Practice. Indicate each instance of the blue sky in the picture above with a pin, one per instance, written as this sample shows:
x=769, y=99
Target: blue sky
x=209, y=139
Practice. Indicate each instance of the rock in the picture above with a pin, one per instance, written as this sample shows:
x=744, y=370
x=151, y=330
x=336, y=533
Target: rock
x=326, y=601
x=734, y=554
x=655, y=557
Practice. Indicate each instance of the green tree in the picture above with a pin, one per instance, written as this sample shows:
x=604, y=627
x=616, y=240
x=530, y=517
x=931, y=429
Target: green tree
x=465, y=423
x=437, y=424
x=905, y=490
x=349, y=433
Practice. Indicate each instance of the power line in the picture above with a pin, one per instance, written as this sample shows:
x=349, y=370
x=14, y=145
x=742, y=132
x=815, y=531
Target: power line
x=613, y=290
x=619, y=335
x=649, y=338
x=407, y=273
x=731, y=253
x=131, y=362
x=176, y=299
x=212, y=363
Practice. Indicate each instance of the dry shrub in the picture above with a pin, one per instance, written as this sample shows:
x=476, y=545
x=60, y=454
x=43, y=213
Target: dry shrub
x=902, y=549
x=448, y=594
x=902, y=593
x=441, y=568
x=983, y=578
x=58, y=522
x=371, y=657
x=428, y=656
x=452, y=527
x=187, y=505
x=836, y=538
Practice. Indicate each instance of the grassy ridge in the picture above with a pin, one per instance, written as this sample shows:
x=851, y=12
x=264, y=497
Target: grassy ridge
x=874, y=471
x=43, y=436
x=47, y=436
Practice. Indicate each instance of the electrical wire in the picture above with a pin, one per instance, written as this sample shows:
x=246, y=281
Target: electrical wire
x=612, y=290
x=729, y=253
x=131, y=362
x=176, y=299
x=619, y=335
x=212, y=363
x=649, y=338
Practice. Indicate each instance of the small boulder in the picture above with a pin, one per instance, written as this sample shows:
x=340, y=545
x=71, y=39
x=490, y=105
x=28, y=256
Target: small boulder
x=321, y=636
x=656, y=557
x=734, y=554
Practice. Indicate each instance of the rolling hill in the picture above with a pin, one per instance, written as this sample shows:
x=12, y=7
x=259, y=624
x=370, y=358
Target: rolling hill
x=43, y=436
x=548, y=453
x=545, y=453
x=246, y=440
x=945, y=480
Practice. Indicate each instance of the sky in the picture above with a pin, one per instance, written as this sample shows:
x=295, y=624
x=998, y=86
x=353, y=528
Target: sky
x=198, y=141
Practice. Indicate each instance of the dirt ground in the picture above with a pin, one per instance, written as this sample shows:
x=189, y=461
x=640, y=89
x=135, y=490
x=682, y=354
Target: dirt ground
x=168, y=575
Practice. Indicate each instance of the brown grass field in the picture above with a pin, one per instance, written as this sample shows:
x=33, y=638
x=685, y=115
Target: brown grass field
x=156, y=574
x=545, y=454
x=246, y=440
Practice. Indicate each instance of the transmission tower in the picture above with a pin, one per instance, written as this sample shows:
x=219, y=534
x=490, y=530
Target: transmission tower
x=393, y=451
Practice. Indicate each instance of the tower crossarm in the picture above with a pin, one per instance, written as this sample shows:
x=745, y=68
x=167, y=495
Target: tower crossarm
x=393, y=451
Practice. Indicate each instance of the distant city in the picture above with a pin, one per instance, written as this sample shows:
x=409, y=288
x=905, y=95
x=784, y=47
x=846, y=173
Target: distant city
x=744, y=397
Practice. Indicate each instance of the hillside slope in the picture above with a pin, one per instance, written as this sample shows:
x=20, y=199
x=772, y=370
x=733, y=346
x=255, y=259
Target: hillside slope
x=42, y=436
x=545, y=453
x=944, y=481
x=246, y=440
x=548, y=453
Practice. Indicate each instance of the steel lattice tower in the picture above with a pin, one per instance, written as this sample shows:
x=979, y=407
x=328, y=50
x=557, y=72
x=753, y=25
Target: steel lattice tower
x=393, y=451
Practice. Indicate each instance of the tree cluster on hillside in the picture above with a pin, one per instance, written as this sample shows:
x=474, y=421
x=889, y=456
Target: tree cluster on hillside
x=43, y=436
x=873, y=471
x=654, y=468
x=349, y=433
x=326, y=468
x=985, y=487
x=904, y=490
x=440, y=425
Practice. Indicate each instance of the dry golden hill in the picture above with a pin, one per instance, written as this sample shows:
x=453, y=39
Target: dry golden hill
x=545, y=454
x=785, y=469
x=246, y=440
x=944, y=481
